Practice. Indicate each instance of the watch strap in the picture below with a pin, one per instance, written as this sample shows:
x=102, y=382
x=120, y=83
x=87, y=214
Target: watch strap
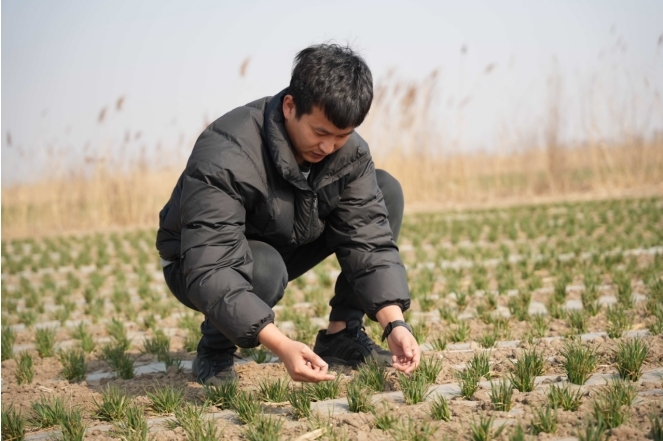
x=391, y=325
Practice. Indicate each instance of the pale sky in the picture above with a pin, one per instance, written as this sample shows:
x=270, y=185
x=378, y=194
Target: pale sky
x=177, y=63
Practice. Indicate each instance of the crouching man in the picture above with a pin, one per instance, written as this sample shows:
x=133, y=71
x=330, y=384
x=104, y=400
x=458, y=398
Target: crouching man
x=270, y=190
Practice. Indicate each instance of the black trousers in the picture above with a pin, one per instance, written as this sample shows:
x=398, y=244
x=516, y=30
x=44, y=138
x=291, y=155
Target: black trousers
x=272, y=271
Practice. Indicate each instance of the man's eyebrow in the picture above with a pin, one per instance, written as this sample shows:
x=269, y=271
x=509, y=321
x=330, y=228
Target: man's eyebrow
x=327, y=132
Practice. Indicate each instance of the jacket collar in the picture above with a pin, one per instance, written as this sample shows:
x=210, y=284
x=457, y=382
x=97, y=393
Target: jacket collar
x=278, y=143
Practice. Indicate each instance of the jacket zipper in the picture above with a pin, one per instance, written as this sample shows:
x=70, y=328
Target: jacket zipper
x=313, y=212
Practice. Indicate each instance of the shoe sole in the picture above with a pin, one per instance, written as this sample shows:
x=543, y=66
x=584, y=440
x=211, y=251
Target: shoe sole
x=332, y=361
x=213, y=380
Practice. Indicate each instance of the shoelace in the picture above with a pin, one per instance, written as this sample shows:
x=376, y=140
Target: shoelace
x=362, y=338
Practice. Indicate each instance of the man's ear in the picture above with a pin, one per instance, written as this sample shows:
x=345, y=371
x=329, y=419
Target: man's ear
x=289, y=109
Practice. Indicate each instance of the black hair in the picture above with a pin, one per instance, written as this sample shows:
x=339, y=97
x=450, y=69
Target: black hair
x=335, y=79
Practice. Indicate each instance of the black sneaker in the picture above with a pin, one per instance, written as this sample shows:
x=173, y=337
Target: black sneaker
x=212, y=367
x=349, y=347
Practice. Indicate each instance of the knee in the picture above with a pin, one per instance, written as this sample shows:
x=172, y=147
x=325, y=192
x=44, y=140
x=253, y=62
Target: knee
x=270, y=275
x=391, y=189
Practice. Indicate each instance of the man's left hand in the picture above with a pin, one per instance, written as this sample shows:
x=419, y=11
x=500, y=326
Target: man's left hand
x=405, y=350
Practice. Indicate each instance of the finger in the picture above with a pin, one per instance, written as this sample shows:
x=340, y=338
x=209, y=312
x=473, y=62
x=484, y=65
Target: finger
x=315, y=359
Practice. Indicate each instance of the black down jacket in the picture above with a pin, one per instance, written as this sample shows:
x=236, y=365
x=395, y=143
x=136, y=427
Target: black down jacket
x=242, y=182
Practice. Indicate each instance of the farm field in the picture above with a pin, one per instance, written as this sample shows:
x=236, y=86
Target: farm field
x=537, y=322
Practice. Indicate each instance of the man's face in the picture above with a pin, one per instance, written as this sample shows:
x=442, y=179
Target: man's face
x=313, y=136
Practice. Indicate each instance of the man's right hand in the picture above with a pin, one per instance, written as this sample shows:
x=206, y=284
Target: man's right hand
x=300, y=361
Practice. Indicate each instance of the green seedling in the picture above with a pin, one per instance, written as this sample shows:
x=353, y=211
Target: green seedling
x=223, y=394
x=439, y=409
x=500, y=395
x=165, y=399
x=564, y=398
x=359, y=398
x=590, y=302
x=158, y=344
x=372, y=374
x=25, y=371
x=439, y=344
x=468, y=380
x=619, y=321
x=460, y=332
x=13, y=425
x=72, y=427
x=519, y=305
x=580, y=361
x=608, y=407
x=630, y=355
x=263, y=428
x=190, y=418
x=261, y=355
x=577, y=320
x=73, y=364
x=517, y=434
x=8, y=339
x=118, y=360
x=448, y=314
x=414, y=386
x=545, y=420
x=113, y=406
x=430, y=367
x=274, y=391
x=592, y=431
x=325, y=390
x=540, y=326
x=383, y=420
x=149, y=321
x=86, y=340
x=488, y=339
x=656, y=432
x=525, y=369
x=47, y=413
x=134, y=426
x=300, y=401
x=45, y=341
x=480, y=364
x=622, y=391
x=420, y=330
x=413, y=430
x=246, y=406
x=482, y=430
x=28, y=318
x=118, y=333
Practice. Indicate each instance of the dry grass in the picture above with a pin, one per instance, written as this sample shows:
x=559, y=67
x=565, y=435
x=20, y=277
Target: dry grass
x=405, y=142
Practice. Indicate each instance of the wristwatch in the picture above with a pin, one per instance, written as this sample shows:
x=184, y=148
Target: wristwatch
x=390, y=327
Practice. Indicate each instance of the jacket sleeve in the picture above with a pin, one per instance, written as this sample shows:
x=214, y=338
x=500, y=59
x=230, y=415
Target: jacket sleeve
x=217, y=260
x=359, y=232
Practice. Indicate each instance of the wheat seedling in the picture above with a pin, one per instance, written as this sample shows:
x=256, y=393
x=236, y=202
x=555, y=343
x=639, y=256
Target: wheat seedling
x=468, y=381
x=86, y=340
x=263, y=428
x=430, y=367
x=564, y=397
x=165, y=399
x=113, y=406
x=480, y=364
x=414, y=387
x=133, y=427
x=44, y=341
x=300, y=401
x=372, y=374
x=359, y=398
x=545, y=420
x=501, y=394
x=439, y=409
x=8, y=339
x=525, y=369
x=274, y=391
x=383, y=420
x=25, y=370
x=325, y=390
x=73, y=364
x=630, y=355
x=13, y=424
x=223, y=394
x=47, y=413
x=482, y=430
x=580, y=362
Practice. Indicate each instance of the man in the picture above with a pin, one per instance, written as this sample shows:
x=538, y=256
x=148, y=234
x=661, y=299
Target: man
x=270, y=190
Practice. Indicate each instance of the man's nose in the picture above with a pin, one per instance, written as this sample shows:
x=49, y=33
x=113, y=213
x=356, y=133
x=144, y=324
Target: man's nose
x=327, y=147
